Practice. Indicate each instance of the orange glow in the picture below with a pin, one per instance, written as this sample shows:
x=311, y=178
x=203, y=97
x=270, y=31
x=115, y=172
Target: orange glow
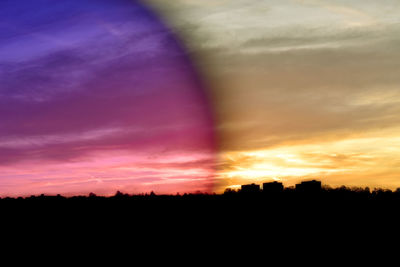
x=368, y=161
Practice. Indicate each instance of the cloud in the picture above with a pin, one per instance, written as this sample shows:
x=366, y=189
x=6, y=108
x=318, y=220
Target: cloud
x=51, y=102
x=293, y=74
x=88, y=97
x=356, y=161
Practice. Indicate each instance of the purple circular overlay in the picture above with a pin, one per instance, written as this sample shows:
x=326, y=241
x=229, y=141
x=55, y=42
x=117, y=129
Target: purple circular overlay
x=98, y=96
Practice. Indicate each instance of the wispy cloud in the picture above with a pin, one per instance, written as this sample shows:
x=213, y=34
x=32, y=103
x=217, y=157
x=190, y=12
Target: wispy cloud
x=298, y=78
x=89, y=92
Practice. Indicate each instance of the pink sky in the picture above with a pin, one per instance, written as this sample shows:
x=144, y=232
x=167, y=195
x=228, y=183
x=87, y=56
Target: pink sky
x=103, y=98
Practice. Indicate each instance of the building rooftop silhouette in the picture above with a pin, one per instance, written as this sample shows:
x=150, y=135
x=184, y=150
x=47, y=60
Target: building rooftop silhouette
x=250, y=188
x=272, y=187
x=309, y=186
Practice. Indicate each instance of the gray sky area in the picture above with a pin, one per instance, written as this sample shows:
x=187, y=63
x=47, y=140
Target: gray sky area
x=301, y=88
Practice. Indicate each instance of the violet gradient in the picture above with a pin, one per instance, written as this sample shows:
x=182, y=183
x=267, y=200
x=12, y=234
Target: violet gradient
x=98, y=96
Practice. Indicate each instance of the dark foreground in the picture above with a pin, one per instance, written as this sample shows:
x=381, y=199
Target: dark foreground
x=286, y=220
x=290, y=203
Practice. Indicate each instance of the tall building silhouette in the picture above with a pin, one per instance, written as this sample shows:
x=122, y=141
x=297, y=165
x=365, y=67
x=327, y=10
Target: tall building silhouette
x=250, y=188
x=272, y=187
x=309, y=186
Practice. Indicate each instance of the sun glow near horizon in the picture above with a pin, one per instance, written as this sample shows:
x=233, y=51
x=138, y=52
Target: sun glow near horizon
x=354, y=162
x=301, y=88
x=187, y=95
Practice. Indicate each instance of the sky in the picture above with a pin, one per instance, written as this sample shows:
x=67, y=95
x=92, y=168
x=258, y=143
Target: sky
x=301, y=89
x=197, y=95
x=98, y=96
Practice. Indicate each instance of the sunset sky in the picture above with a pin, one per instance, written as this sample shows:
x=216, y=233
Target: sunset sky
x=301, y=88
x=186, y=95
x=98, y=96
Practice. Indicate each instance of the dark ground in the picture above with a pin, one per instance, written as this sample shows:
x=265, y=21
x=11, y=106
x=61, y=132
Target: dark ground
x=290, y=204
x=333, y=221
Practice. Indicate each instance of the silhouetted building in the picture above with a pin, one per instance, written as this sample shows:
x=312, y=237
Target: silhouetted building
x=309, y=186
x=272, y=187
x=250, y=188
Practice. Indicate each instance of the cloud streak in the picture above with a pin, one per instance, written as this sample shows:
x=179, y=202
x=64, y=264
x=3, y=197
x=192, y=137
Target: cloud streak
x=90, y=88
x=299, y=76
